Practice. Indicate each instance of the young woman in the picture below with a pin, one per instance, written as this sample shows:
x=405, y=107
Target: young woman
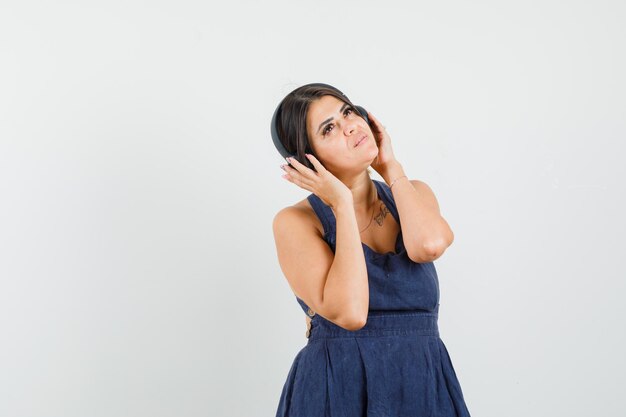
x=358, y=254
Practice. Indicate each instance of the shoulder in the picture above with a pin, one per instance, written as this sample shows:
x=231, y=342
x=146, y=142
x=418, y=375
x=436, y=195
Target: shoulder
x=298, y=215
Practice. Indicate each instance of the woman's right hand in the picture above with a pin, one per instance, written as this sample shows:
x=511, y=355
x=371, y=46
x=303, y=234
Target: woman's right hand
x=322, y=183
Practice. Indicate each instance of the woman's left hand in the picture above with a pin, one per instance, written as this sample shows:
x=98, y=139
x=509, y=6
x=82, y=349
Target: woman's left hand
x=385, y=156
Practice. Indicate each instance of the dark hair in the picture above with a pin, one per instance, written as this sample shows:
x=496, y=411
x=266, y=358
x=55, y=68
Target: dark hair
x=291, y=119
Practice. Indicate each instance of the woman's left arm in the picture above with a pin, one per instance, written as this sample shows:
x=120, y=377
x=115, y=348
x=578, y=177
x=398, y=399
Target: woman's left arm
x=425, y=233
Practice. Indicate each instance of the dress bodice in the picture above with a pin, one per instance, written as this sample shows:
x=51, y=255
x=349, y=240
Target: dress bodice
x=395, y=281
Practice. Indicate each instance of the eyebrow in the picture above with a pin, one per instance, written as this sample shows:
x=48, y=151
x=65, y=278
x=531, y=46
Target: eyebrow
x=330, y=118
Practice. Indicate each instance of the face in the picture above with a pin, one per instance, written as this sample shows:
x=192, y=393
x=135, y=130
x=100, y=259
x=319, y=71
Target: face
x=334, y=128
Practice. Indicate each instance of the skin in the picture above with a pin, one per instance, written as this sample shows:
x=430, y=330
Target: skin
x=342, y=182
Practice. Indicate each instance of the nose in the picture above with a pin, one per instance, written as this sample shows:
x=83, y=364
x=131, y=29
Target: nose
x=350, y=127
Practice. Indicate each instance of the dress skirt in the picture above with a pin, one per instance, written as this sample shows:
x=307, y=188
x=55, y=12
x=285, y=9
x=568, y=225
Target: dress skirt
x=395, y=366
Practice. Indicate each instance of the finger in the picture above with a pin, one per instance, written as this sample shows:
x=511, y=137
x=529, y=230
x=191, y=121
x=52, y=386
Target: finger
x=317, y=164
x=304, y=170
x=297, y=181
x=303, y=185
x=295, y=175
x=371, y=116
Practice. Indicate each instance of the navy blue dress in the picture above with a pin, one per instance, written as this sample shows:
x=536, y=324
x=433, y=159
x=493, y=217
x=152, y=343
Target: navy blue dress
x=396, y=365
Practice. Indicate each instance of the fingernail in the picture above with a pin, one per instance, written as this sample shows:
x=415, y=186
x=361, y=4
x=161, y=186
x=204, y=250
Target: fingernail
x=283, y=167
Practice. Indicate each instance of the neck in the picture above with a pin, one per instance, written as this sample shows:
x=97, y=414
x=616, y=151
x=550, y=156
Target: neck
x=364, y=193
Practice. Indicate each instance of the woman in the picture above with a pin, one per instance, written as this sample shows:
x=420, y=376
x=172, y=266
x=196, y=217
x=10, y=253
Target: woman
x=358, y=254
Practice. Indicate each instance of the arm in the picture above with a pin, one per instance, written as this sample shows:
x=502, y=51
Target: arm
x=333, y=285
x=425, y=232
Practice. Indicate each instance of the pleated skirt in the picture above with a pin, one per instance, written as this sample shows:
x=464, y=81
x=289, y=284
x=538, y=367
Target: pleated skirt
x=395, y=366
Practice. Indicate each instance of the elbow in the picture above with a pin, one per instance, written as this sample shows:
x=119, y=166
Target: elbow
x=435, y=250
x=352, y=323
x=421, y=257
x=346, y=319
x=355, y=324
x=429, y=251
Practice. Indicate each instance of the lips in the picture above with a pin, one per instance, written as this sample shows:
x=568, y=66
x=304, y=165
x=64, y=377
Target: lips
x=360, y=140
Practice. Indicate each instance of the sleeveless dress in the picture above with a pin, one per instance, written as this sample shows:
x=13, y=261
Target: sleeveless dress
x=396, y=365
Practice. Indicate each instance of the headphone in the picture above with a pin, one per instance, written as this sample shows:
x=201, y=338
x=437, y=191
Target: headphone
x=274, y=130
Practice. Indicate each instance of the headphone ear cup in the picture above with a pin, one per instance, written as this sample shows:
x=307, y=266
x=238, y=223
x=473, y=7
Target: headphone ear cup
x=363, y=113
x=279, y=146
x=275, y=137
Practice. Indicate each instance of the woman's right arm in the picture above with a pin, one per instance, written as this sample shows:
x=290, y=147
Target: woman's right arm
x=335, y=285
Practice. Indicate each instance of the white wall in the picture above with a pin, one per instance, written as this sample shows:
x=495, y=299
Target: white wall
x=138, y=183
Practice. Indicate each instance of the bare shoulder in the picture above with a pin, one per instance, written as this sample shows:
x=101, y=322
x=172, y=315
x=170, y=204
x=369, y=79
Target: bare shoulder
x=427, y=193
x=300, y=214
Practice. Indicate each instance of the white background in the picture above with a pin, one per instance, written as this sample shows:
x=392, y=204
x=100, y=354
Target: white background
x=138, y=183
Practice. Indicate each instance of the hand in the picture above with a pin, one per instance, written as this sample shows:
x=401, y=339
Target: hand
x=322, y=183
x=385, y=156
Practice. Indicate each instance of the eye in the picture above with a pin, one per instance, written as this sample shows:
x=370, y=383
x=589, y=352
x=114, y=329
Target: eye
x=326, y=130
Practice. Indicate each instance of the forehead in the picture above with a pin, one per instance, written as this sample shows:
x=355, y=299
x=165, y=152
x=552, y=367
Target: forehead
x=320, y=110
